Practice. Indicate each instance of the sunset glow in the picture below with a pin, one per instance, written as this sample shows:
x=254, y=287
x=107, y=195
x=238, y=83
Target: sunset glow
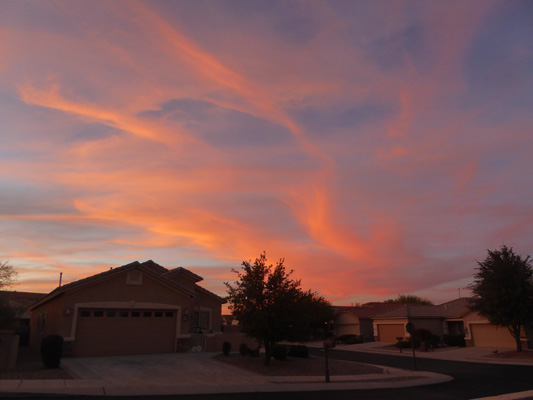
x=380, y=147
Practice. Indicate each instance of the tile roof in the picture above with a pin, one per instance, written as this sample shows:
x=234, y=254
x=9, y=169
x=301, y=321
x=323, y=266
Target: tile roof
x=456, y=308
x=451, y=309
x=149, y=267
x=367, y=310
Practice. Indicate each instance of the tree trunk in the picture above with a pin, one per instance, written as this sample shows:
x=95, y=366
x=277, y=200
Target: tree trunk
x=515, y=333
x=268, y=352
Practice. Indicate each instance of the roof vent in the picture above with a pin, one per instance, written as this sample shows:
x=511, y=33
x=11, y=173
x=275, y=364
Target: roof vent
x=134, y=277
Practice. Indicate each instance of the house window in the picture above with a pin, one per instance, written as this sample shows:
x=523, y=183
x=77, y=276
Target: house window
x=158, y=314
x=85, y=313
x=169, y=314
x=98, y=313
x=201, y=320
x=147, y=314
x=111, y=314
x=136, y=314
x=123, y=314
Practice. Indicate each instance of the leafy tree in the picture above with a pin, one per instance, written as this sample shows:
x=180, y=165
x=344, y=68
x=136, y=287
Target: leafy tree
x=8, y=314
x=8, y=275
x=270, y=306
x=503, y=286
x=410, y=299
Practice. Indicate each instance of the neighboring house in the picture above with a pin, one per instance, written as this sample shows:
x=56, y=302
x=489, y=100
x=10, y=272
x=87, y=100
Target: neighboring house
x=391, y=325
x=358, y=320
x=454, y=318
x=16, y=314
x=139, y=308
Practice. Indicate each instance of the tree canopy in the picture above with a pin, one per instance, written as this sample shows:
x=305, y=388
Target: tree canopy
x=409, y=299
x=503, y=287
x=8, y=275
x=270, y=306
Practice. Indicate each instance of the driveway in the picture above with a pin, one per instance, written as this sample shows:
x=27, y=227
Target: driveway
x=159, y=370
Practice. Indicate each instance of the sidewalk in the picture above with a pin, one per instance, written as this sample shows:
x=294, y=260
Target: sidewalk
x=196, y=373
x=468, y=354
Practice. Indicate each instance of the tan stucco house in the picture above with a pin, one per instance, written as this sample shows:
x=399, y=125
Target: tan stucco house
x=453, y=317
x=139, y=308
x=357, y=320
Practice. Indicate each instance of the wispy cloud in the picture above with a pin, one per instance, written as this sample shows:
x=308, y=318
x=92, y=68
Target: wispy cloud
x=379, y=147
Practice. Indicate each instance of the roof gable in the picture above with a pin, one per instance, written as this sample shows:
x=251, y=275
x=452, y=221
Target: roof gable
x=154, y=270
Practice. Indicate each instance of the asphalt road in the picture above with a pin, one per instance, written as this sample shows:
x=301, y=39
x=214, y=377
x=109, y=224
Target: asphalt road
x=472, y=380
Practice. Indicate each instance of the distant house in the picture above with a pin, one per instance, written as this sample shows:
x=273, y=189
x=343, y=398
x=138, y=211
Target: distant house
x=451, y=318
x=17, y=305
x=391, y=325
x=358, y=320
x=138, y=308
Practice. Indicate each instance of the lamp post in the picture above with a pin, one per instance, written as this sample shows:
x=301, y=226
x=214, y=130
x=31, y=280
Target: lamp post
x=328, y=344
x=410, y=327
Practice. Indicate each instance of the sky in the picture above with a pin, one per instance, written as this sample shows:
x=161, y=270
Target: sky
x=379, y=147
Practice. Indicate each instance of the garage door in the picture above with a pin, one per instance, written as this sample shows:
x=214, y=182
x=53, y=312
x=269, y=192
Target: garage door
x=486, y=335
x=108, y=332
x=389, y=332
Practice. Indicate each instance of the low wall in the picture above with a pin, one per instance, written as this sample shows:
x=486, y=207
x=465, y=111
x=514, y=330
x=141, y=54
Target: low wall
x=9, y=345
x=214, y=341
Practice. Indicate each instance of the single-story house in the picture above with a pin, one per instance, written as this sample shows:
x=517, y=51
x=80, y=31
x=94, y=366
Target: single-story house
x=139, y=308
x=454, y=317
x=357, y=320
x=391, y=325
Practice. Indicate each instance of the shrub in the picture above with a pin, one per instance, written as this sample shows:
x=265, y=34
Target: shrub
x=226, y=348
x=404, y=344
x=52, y=350
x=279, y=352
x=244, y=350
x=421, y=335
x=454, y=340
x=354, y=339
x=435, y=341
x=299, y=350
x=344, y=338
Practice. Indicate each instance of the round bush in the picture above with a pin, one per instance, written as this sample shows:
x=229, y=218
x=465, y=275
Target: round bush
x=279, y=352
x=298, y=350
x=52, y=350
x=226, y=348
x=244, y=350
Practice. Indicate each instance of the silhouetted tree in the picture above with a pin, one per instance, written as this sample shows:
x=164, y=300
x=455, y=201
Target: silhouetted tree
x=8, y=314
x=270, y=306
x=503, y=287
x=410, y=299
x=8, y=275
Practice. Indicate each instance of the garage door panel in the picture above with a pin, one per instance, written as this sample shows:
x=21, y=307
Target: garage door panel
x=487, y=335
x=121, y=332
x=389, y=332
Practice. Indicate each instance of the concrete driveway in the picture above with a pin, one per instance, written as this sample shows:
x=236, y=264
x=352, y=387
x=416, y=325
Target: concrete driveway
x=174, y=369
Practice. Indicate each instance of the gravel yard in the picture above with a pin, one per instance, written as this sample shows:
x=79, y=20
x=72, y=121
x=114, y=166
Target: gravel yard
x=294, y=366
x=30, y=366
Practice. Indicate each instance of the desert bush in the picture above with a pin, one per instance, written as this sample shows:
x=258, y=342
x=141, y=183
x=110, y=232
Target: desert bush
x=454, y=340
x=279, y=352
x=298, y=350
x=346, y=338
x=52, y=350
x=244, y=350
x=226, y=348
x=354, y=339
